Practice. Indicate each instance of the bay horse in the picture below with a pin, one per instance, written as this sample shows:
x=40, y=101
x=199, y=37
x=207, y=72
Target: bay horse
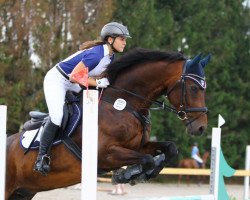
x=139, y=77
x=191, y=163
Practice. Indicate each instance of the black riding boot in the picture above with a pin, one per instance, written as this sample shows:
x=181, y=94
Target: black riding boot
x=43, y=160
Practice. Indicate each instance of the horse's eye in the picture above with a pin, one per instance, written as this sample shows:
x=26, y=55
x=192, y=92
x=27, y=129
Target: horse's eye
x=194, y=88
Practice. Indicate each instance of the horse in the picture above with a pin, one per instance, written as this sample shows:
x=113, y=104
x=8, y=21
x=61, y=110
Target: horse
x=139, y=78
x=192, y=164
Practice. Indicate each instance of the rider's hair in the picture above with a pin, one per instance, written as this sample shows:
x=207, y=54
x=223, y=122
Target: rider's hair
x=89, y=44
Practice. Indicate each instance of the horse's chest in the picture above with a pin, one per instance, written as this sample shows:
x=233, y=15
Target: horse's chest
x=124, y=128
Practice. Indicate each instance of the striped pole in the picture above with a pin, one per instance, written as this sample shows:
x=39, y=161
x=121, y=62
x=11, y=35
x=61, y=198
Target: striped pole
x=246, y=179
x=215, y=162
x=3, y=120
x=215, y=158
x=89, y=144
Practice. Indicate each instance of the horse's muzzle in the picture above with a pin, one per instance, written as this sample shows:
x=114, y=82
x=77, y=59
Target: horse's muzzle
x=196, y=128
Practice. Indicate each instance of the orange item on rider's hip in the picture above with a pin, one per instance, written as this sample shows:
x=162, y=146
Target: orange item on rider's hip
x=81, y=77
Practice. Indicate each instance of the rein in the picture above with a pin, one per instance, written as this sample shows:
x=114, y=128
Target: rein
x=162, y=105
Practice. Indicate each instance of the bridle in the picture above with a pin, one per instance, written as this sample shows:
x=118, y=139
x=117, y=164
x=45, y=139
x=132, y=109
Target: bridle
x=183, y=109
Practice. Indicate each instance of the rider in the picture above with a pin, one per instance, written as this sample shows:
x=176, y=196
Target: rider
x=95, y=55
x=196, y=155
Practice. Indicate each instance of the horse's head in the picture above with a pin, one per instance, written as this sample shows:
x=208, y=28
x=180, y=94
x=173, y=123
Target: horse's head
x=188, y=95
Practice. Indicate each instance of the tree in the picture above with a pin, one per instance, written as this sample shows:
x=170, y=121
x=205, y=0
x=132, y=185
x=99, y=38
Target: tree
x=35, y=35
x=216, y=27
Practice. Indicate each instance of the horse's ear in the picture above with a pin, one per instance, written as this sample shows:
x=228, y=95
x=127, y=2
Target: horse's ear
x=205, y=60
x=196, y=60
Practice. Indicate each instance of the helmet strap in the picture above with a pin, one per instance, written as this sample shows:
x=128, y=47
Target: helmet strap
x=114, y=50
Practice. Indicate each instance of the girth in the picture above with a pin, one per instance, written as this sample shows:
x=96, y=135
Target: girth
x=145, y=120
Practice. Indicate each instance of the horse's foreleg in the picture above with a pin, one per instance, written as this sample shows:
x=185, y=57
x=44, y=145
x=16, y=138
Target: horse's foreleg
x=163, y=152
x=155, y=148
x=118, y=156
x=138, y=163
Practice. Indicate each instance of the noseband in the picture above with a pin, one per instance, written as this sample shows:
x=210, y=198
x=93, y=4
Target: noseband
x=183, y=109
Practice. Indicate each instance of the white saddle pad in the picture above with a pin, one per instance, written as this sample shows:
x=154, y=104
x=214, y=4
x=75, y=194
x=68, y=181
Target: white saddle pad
x=28, y=136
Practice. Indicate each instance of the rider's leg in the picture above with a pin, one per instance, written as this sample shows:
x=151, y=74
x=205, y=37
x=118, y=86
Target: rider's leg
x=54, y=90
x=55, y=87
x=43, y=160
x=197, y=158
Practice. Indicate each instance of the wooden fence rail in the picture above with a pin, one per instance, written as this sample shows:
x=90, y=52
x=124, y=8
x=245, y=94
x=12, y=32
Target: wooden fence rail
x=185, y=171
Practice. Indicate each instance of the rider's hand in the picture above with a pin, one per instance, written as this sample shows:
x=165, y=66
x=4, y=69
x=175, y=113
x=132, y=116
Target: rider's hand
x=102, y=83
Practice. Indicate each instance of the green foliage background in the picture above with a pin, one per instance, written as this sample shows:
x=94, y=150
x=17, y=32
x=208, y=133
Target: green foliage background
x=219, y=27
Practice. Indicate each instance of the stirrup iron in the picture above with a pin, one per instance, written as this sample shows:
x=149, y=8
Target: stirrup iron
x=42, y=165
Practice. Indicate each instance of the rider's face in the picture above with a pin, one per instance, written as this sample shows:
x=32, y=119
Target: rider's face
x=119, y=43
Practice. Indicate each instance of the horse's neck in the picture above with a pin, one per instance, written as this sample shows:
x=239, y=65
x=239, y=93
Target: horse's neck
x=151, y=80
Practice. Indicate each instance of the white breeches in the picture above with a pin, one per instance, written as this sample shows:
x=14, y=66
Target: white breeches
x=197, y=158
x=55, y=87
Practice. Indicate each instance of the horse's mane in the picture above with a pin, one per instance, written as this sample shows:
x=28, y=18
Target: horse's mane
x=138, y=56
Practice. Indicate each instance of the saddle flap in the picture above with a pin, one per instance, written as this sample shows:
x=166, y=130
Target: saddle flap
x=33, y=136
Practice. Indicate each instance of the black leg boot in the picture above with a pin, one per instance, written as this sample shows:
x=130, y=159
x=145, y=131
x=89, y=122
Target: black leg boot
x=42, y=164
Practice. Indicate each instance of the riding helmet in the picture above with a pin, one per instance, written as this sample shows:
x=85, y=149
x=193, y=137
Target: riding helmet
x=114, y=29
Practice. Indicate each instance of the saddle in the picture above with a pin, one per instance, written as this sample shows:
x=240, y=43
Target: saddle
x=32, y=129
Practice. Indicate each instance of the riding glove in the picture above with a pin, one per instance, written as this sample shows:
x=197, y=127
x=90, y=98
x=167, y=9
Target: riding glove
x=102, y=83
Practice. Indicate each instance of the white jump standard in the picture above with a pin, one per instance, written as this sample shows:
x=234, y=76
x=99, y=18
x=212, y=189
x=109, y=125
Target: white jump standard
x=3, y=121
x=89, y=144
x=246, y=180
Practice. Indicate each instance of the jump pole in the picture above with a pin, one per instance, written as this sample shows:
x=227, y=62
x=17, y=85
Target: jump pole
x=3, y=120
x=89, y=145
x=246, y=179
